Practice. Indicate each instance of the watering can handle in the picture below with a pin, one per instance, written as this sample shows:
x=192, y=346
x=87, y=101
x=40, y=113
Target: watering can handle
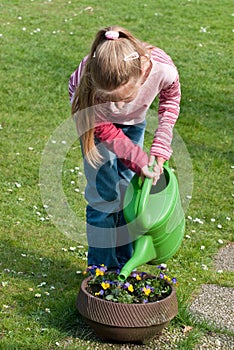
x=145, y=191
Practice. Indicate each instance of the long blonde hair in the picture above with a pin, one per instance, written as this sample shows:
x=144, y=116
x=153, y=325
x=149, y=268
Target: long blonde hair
x=105, y=71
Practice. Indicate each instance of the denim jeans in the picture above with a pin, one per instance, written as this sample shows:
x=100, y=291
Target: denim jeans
x=107, y=234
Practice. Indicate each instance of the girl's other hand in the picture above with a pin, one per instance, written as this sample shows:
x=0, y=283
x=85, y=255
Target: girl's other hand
x=146, y=172
x=157, y=169
x=151, y=174
x=158, y=164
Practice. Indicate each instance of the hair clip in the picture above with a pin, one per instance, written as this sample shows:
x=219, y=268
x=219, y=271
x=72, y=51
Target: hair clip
x=132, y=56
x=111, y=35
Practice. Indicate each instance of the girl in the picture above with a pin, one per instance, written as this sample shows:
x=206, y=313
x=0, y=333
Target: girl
x=111, y=91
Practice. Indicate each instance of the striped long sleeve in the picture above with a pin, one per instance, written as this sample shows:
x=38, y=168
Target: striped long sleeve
x=169, y=107
x=75, y=78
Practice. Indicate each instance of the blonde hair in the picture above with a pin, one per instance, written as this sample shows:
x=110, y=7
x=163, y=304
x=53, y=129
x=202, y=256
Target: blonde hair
x=105, y=71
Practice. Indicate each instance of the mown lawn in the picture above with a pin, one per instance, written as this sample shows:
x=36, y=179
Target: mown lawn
x=42, y=256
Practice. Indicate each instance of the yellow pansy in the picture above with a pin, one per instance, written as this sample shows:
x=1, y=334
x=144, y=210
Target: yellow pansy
x=99, y=272
x=167, y=278
x=130, y=288
x=147, y=291
x=105, y=285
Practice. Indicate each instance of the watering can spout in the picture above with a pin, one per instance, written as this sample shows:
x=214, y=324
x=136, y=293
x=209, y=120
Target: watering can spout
x=144, y=252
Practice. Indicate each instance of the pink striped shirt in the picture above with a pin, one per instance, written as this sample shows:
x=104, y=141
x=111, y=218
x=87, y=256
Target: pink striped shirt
x=163, y=81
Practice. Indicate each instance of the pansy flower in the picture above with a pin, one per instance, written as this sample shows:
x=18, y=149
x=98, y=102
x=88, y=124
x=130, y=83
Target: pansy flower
x=168, y=279
x=147, y=290
x=136, y=276
x=100, y=271
x=161, y=275
x=101, y=292
x=162, y=267
x=105, y=285
x=128, y=286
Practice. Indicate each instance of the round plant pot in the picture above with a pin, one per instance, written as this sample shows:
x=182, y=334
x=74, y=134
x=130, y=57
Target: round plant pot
x=126, y=322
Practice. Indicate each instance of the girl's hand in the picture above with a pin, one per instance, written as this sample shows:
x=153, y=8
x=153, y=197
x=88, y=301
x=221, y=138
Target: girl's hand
x=145, y=172
x=158, y=167
x=159, y=163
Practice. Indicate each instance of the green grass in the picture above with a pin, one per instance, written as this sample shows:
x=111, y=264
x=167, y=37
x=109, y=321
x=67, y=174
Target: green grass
x=42, y=42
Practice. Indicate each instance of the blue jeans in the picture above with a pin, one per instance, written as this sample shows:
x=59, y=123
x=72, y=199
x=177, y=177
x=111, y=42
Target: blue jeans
x=107, y=234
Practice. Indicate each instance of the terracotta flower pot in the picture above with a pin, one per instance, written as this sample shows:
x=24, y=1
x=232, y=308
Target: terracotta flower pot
x=126, y=322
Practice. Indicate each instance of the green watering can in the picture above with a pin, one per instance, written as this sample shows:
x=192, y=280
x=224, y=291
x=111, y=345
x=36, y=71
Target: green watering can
x=155, y=220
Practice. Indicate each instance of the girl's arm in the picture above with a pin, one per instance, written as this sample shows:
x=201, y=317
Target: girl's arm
x=169, y=107
x=116, y=141
x=74, y=79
